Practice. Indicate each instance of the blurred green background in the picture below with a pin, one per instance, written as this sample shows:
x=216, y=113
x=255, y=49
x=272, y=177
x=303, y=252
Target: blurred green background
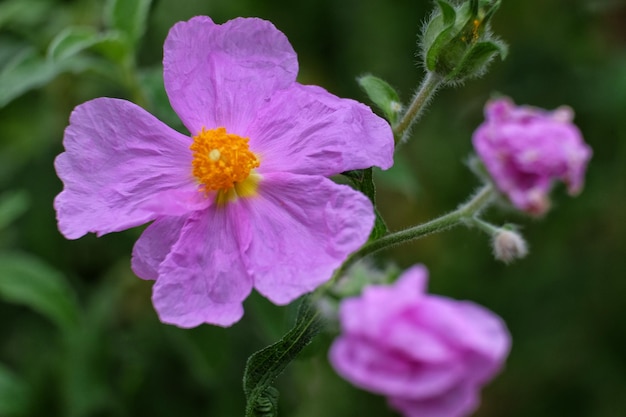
x=78, y=334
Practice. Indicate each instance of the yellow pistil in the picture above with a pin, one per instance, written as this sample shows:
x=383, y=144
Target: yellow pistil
x=223, y=162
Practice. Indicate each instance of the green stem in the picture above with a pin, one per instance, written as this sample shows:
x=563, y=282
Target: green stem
x=462, y=215
x=486, y=227
x=427, y=89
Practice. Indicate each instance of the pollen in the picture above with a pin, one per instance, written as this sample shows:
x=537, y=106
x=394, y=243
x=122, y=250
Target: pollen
x=222, y=161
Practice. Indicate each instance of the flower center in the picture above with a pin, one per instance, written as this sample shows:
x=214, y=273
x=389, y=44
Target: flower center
x=221, y=161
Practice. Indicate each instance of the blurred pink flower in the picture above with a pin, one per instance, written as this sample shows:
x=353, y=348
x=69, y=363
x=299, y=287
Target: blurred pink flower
x=525, y=149
x=428, y=354
x=244, y=200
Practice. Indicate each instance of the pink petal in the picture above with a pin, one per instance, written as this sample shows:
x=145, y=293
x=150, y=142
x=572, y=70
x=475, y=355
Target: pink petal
x=470, y=328
x=303, y=228
x=370, y=313
x=525, y=149
x=459, y=401
x=370, y=365
x=119, y=162
x=170, y=304
x=416, y=343
x=154, y=244
x=221, y=75
x=203, y=279
x=306, y=130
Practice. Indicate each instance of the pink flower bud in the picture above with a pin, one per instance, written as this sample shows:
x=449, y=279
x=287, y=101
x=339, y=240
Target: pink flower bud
x=525, y=149
x=428, y=354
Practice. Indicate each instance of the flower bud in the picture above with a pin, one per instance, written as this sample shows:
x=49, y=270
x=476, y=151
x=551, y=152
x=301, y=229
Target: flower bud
x=526, y=149
x=457, y=44
x=508, y=246
x=429, y=355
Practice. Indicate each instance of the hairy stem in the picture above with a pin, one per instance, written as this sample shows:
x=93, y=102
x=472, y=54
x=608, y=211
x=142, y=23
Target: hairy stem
x=462, y=215
x=425, y=92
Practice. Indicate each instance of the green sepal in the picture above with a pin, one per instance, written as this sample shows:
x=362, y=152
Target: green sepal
x=457, y=44
x=432, y=53
x=448, y=12
x=437, y=33
x=474, y=5
x=476, y=59
x=383, y=95
x=489, y=12
x=264, y=366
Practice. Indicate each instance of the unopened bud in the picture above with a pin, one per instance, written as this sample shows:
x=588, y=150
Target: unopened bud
x=508, y=246
x=457, y=43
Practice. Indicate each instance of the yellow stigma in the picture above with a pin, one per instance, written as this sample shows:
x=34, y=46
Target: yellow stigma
x=222, y=162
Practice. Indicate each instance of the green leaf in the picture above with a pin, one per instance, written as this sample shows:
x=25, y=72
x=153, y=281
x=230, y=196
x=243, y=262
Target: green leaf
x=382, y=95
x=24, y=72
x=26, y=280
x=28, y=71
x=128, y=16
x=111, y=45
x=265, y=365
x=363, y=180
x=71, y=41
x=114, y=46
x=12, y=205
x=14, y=394
x=24, y=13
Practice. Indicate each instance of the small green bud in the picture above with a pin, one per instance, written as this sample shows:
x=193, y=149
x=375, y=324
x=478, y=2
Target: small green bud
x=457, y=43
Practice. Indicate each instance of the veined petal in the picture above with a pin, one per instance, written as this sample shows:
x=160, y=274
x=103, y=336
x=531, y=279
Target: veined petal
x=170, y=304
x=203, y=278
x=307, y=130
x=220, y=75
x=119, y=167
x=303, y=228
x=154, y=244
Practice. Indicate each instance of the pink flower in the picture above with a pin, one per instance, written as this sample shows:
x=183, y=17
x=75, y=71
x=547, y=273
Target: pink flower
x=525, y=149
x=428, y=354
x=241, y=202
